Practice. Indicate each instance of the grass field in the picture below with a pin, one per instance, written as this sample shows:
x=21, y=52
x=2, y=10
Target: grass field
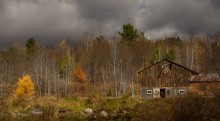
x=120, y=109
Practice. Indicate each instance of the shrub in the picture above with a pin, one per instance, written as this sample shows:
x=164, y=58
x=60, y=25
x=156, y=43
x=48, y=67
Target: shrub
x=196, y=108
x=154, y=110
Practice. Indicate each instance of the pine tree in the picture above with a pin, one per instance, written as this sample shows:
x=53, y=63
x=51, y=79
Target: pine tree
x=170, y=55
x=31, y=47
x=129, y=33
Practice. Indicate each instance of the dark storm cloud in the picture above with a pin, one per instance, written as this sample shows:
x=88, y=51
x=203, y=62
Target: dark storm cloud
x=107, y=16
x=216, y=3
x=43, y=19
x=179, y=15
x=53, y=20
x=107, y=10
x=50, y=20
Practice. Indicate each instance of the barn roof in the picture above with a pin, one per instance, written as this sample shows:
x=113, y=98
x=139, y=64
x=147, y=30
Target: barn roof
x=192, y=71
x=211, y=77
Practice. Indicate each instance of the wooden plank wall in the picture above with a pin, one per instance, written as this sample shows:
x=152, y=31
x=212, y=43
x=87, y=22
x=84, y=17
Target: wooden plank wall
x=176, y=77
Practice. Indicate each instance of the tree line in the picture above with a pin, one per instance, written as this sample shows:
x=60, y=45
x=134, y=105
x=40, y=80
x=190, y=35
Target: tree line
x=107, y=66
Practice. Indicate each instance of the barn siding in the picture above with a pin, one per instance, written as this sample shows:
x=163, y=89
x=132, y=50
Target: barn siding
x=169, y=92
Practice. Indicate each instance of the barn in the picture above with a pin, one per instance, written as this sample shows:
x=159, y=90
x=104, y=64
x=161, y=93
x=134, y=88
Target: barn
x=205, y=84
x=165, y=79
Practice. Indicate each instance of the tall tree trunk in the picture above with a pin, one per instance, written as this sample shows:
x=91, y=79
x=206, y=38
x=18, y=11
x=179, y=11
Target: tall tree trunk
x=45, y=81
x=58, y=87
x=37, y=79
x=114, y=70
x=1, y=86
x=104, y=83
x=192, y=59
x=132, y=86
x=41, y=70
x=187, y=56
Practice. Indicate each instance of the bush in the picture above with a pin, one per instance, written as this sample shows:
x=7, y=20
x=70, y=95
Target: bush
x=152, y=110
x=72, y=116
x=5, y=113
x=196, y=108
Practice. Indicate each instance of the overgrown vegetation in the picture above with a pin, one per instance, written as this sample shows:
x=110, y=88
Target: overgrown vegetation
x=184, y=108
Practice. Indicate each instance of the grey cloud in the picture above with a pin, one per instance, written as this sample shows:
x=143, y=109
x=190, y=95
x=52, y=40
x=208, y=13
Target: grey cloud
x=42, y=19
x=181, y=15
x=52, y=20
x=108, y=15
x=57, y=19
x=216, y=3
x=105, y=10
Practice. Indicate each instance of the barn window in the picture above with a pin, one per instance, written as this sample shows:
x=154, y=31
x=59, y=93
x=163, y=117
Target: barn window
x=181, y=91
x=149, y=91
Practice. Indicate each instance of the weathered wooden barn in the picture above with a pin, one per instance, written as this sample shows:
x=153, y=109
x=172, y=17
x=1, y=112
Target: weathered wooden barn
x=205, y=84
x=164, y=79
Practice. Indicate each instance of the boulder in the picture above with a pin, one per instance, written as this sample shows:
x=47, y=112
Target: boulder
x=104, y=113
x=124, y=111
x=36, y=112
x=88, y=111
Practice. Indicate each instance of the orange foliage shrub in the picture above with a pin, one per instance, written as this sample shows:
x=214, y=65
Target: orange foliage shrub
x=25, y=87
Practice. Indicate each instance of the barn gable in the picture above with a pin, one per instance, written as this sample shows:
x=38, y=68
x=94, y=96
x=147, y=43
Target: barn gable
x=165, y=73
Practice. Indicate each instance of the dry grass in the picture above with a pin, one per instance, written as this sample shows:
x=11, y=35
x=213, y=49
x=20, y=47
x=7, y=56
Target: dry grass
x=182, y=108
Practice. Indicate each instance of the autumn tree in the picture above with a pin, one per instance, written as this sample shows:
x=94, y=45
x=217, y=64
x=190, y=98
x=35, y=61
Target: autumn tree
x=67, y=63
x=81, y=76
x=66, y=58
x=25, y=87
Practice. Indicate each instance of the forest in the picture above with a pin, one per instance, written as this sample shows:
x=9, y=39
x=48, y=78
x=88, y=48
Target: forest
x=105, y=65
x=99, y=65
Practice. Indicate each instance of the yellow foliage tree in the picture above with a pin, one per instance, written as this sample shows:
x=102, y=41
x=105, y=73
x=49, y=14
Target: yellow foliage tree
x=25, y=87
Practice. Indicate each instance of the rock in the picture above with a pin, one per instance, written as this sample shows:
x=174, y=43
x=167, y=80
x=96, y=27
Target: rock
x=21, y=114
x=88, y=111
x=18, y=114
x=13, y=114
x=83, y=114
x=36, y=112
x=104, y=113
x=124, y=111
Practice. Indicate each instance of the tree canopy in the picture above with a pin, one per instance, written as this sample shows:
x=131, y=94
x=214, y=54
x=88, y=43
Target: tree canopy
x=129, y=33
x=170, y=55
x=31, y=47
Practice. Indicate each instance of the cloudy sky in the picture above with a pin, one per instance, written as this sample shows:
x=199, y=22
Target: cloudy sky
x=50, y=21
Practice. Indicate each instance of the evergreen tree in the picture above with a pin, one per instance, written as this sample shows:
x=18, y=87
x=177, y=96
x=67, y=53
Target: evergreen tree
x=31, y=47
x=155, y=56
x=129, y=33
x=170, y=55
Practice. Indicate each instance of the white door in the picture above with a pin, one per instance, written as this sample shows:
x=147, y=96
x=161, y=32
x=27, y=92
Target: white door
x=156, y=93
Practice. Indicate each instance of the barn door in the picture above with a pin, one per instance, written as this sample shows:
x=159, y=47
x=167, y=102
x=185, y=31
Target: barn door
x=156, y=93
x=162, y=92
